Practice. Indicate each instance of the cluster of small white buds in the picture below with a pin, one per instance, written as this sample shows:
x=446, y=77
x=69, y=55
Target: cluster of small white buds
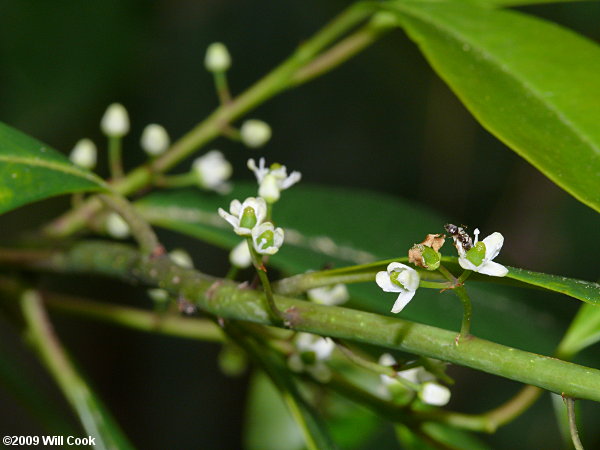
x=212, y=171
x=116, y=226
x=217, y=58
x=84, y=154
x=155, y=140
x=255, y=133
x=115, y=122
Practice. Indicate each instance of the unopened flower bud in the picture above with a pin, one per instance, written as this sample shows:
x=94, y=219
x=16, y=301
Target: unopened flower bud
x=217, y=58
x=115, y=122
x=158, y=295
x=155, y=140
x=240, y=256
x=255, y=133
x=212, y=171
x=434, y=394
x=181, y=258
x=117, y=227
x=84, y=154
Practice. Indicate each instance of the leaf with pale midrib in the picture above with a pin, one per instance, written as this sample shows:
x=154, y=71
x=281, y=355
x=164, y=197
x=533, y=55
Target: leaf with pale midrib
x=31, y=171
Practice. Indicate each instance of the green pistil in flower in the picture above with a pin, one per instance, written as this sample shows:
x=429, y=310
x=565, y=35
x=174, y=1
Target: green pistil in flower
x=308, y=357
x=248, y=218
x=275, y=166
x=476, y=254
x=394, y=279
x=431, y=258
x=266, y=239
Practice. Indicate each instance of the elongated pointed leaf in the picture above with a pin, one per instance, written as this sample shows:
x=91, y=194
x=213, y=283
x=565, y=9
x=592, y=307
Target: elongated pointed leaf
x=31, y=171
x=531, y=83
x=583, y=332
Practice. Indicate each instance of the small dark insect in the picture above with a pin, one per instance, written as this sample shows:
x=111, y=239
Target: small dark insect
x=460, y=236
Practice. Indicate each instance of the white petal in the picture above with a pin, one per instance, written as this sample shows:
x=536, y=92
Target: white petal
x=493, y=269
x=409, y=278
x=233, y=221
x=466, y=264
x=411, y=375
x=493, y=244
x=435, y=394
x=384, y=282
x=235, y=207
x=396, y=266
x=323, y=348
x=387, y=360
x=402, y=301
x=292, y=179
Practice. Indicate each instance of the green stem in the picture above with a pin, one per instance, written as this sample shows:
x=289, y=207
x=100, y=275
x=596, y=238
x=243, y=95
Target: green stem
x=137, y=319
x=176, y=181
x=306, y=417
x=225, y=299
x=465, y=327
x=270, y=85
x=573, y=423
x=435, y=285
x=463, y=277
x=461, y=292
x=115, y=160
x=94, y=418
x=374, y=367
x=222, y=87
x=141, y=231
x=261, y=271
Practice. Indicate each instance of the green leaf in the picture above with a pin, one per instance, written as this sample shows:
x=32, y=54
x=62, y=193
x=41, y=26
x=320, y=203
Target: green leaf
x=32, y=171
x=269, y=425
x=341, y=227
x=531, y=83
x=583, y=332
x=506, y=3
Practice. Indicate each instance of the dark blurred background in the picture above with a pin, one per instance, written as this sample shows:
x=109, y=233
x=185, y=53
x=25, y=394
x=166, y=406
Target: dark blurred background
x=383, y=121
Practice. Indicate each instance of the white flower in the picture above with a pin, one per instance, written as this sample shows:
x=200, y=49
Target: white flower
x=115, y=122
x=267, y=239
x=158, y=295
x=181, y=258
x=399, y=278
x=255, y=133
x=329, y=295
x=217, y=58
x=116, y=226
x=84, y=154
x=273, y=180
x=240, y=256
x=479, y=257
x=311, y=352
x=155, y=139
x=243, y=217
x=212, y=171
x=434, y=394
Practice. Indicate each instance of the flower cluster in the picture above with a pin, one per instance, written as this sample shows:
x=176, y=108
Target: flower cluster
x=472, y=255
x=310, y=355
x=428, y=390
x=249, y=218
x=272, y=180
